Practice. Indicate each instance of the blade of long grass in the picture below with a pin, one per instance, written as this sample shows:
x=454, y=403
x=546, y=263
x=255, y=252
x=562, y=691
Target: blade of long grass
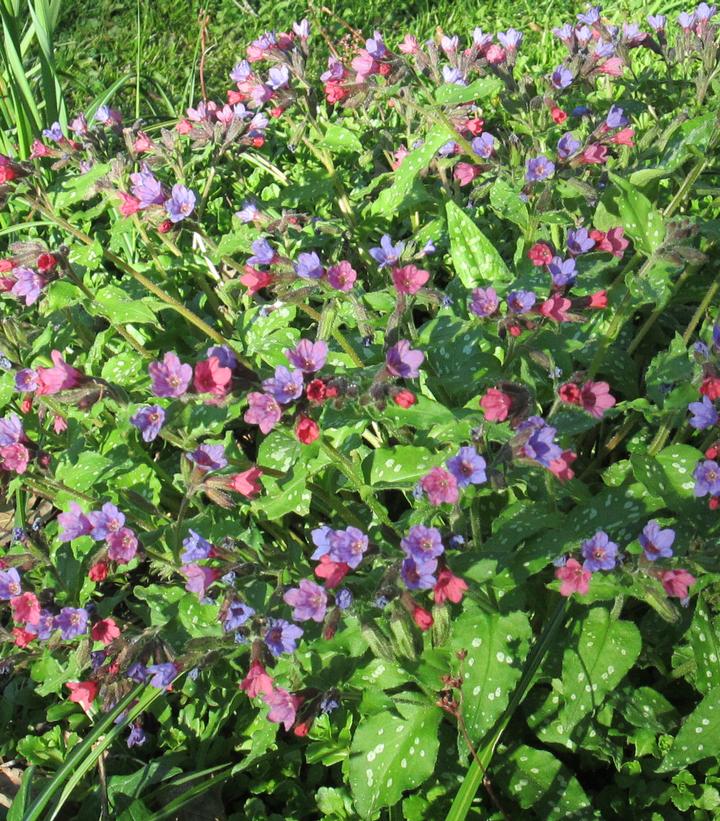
x=13, y=58
x=42, y=18
x=20, y=802
x=138, y=63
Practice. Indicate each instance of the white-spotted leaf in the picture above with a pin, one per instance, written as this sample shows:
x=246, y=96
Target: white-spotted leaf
x=475, y=258
x=699, y=737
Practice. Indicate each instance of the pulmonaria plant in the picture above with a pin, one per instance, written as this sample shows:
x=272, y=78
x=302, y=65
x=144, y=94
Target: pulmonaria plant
x=320, y=405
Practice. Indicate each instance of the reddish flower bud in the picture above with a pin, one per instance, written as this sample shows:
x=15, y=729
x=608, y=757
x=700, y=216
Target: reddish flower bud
x=714, y=502
x=332, y=572
x=316, y=391
x=7, y=174
x=558, y=115
x=6, y=265
x=98, y=572
x=277, y=111
x=404, y=398
x=165, y=227
x=711, y=388
x=422, y=617
x=540, y=254
x=514, y=330
x=496, y=405
x=598, y=300
x=26, y=405
x=570, y=393
x=258, y=142
x=713, y=451
x=307, y=430
x=46, y=262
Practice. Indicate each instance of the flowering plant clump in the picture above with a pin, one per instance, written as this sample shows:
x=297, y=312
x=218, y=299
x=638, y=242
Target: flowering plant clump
x=360, y=433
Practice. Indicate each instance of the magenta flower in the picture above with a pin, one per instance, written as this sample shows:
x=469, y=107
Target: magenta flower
x=599, y=552
x=122, y=545
x=484, y=302
x=468, y=467
x=281, y=636
x=422, y=543
x=656, y=542
x=105, y=521
x=596, y=398
x=342, y=276
x=180, y=204
x=170, y=377
x=308, y=356
x=71, y=622
x=28, y=285
x=146, y=188
x=402, y=360
x=74, y=524
x=308, y=600
x=440, y=486
x=263, y=411
x=285, y=386
x=149, y=420
x=283, y=707
x=198, y=578
x=208, y=457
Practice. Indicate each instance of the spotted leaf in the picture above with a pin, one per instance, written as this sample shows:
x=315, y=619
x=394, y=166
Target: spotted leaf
x=699, y=737
x=475, y=258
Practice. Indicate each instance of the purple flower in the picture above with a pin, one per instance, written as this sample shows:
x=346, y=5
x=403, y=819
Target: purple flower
x=198, y=578
x=308, y=600
x=422, y=543
x=148, y=421
x=263, y=253
x=236, y=615
x=74, y=524
x=26, y=380
x=278, y=77
x=347, y=546
x=446, y=150
x=685, y=20
x=387, y=253
x=105, y=521
x=281, y=636
x=285, y=386
x=604, y=50
x=599, y=552
x=72, y=622
x=707, y=478
x=375, y=46
x=321, y=539
x=704, y=12
x=616, y=118
x=567, y=146
x=45, y=626
x=539, y=444
x=480, y=39
x=248, y=212
x=591, y=16
x=579, y=241
x=484, y=145
x=180, y=204
x=656, y=543
x=309, y=266
x=28, y=284
x=510, y=39
x=162, y=675
x=138, y=673
x=53, y=133
x=241, y=71
x=704, y=414
x=657, y=22
x=343, y=598
x=484, y=302
x=122, y=545
x=562, y=271
x=418, y=575
x=539, y=168
x=564, y=34
x=453, y=76
x=468, y=467
x=632, y=34
x=520, y=302
x=225, y=356
x=302, y=29
x=147, y=188
x=583, y=35
x=208, y=457
x=561, y=78
x=137, y=736
x=263, y=411
x=9, y=584
x=170, y=377
x=11, y=430
x=196, y=548
x=402, y=360
x=308, y=356
x=716, y=337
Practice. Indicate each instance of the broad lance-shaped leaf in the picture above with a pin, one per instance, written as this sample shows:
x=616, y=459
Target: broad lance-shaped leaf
x=705, y=644
x=400, y=466
x=606, y=650
x=416, y=161
x=699, y=737
x=451, y=94
x=538, y=781
x=641, y=221
x=496, y=647
x=393, y=753
x=474, y=257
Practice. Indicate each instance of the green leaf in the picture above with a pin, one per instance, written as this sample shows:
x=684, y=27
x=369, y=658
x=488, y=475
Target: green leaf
x=119, y=307
x=699, y=736
x=496, y=647
x=641, y=221
x=705, y=643
x=474, y=257
x=451, y=94
x=60, y=294
x=606, y=650
x=400, y=466
x=666, y=369
x=392, y=753
x=539, y=782
x=506, y=203
x=339, y=139
x=22, y=798
x=390, y=200
x=124, y=369
x=669, y=474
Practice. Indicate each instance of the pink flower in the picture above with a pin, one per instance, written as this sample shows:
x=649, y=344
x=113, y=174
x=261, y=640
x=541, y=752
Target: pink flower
x=561, y=467
x=677, y=582
x=623, y=137
x=25, y=608
x=465, y=172
x=105, y=631
x=247, y=483
x=342, y=276
x=255, y=280
x=595, y=154
x=495, y=54
x=83, y=693
x=257, y=681
x=449, y=587
x=440, y=486
x=496, y=405
x=596, y=398
x=422, y=617
x=129, y=205
x=61, y=377
x=283, y=707
x=122, y=545
x=409, y=45
x=59, y=424
x=211, y=377
x=14, y=457
x=612, y=67
x=332, y=572
x=613, y=242
x=556, y=307
x=409, y=279
x=573, y=578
